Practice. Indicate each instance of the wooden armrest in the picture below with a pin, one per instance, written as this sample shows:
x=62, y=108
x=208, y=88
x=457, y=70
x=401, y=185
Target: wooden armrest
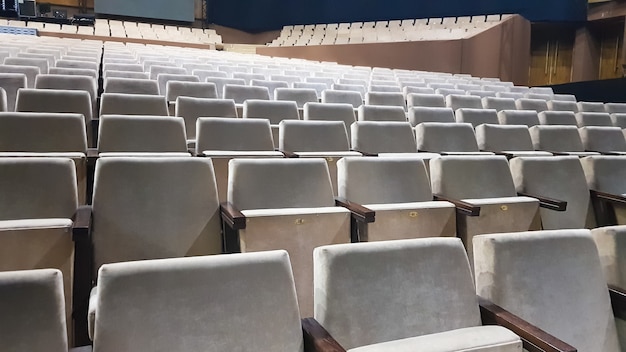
x=232, y=216
x=608, y=197
x=462, y=207
x=288, y=154
x=548, y=203
x=82, y=223
x=533, y=338
x=618, y=301
x=364, y=153
x=360, y=212
x=317, y=339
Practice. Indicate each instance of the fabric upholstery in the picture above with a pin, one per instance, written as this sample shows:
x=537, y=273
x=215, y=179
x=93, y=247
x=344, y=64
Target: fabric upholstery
x=538, y=105
x=426, y=100
x=557, y=105
x=42, y=132
x=159, y=69
x=191, y=108
x=11, y=83
x=4, y=104
x=518, y=117
x=68, y=82
x=611, y=246
x=242, y=93
x=496, y=137
x=463, y=101
x=300, y=96
x=445, y=137
x=330, y=111
x=220, y=83
x=42, y=64
x=30, y=72
x=619, y=119
x=163, y=78
x=381, y=113
x=417, y=287
x=603, y=139
x=257, y=289
x=556, y=138
x=124, y=133
x=126, y=74
x=158, y=207
x=477, y=116
x=313, y=136
x=383, y=137
x=613, y=108
x=606, y=174
x=32, y=306
x=74, y=64
x=271, y=85
x=133, y=104
x=319, y=87
x=593, y=119
x=546, y=97
x=55, y=100
x=130, y=86
x=561, y=282
x=122, y=67
x=557, y=177
x=359, y=88
x=216, y=133
x=419, y=114
x=174, y=89
x=385, y=99
x=247, y=77
x=510, y=95
x=557, y=118
x=274, y=111
x=585, y=106
x=342, y=97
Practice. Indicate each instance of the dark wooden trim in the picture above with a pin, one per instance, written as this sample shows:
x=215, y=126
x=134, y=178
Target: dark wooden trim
x=533, y=338
x=603, y=206
x=545, y=202
x=360, y=212
x=618, y=301
x=463, y=208
x=83, y=273
x=232, y=216
x=608, y=197
x=317, y=339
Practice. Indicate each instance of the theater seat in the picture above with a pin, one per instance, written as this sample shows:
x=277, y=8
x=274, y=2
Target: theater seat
x=381, y=113
x=342, y=97
x=132, y=104
x=419, y=114
x=558, y=138
x=330, y=112
x=275, y=111
x=141, y=134
x=510, y=139
x=190, y=108
x=603, y=139
x=11, y=83
x=476, y=116
x=130, y=86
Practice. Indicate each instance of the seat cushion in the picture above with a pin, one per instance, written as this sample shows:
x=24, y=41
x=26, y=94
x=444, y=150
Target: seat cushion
x=479, y=338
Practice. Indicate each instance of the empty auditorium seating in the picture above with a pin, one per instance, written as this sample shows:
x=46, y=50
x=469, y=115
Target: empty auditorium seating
x=603, y=139
x=510, y=139
x=375, y=137
x=419, y=114
x=11, y=83
x=330, y=112
x=381, y=113
x=141, y=134
x=342, y=97
x=518, y=117
x=560, y=139
x=132, y=104
x=477, y=116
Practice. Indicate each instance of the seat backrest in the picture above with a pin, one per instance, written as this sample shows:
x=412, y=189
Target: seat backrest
x=349, y=277
x=612, y=108
x=557, y=105
x=463, y=101
x=130, y=86
x=557, y=177
x=43, y=64
x=132, y=104
x=248, y=76
x=472, y=177
x=557, y=118
x=603, y=139
x=383, y=180
x=54, y=100
x=68, y=82
x=126, y=74
x=342, y=96
x=381, y=113
x=156, y=70
x=30, y=72
x=270, y=85
x=191, y=108
x=419, y=114
x=426, y=100
x=330, y=112
x=477, y=116
x=605, y=173
x=497, y=138
x=122, y=67
x=240, y=93
x=383, y=137
x=518, y=117
x=556, y=138
x=416, y=89
x=273, y=110
x=174, y=89
x=11, y=83
x=279, y=183
x=172, y=210
x=385, y=98
x=33, y=311
x=619, y=120
x=214, y=133
x=300, y=96
x=546, y=97
x=499, y=103
x=350, y=88
x=55, y=194
x=313, y=136
x=220, y=83
x=585, y=106
x=125, y=133
x=319, y=87
x=445, y=137
x=42, y=132
x=77, y=64
x=562, y=281
x=593, y=119
x=164, y=78
x=124, y=308
x=538, y=105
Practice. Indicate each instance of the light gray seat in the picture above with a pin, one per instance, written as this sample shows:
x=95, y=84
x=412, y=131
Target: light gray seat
x=11, y=83
x=328, y=81
x=398, y=190
x=175, y=89
x=375, y=137
x=141, y=134
x=564, y=97
x=476, y=116
x=300, y=96
x=603, y=139
x=73, y=72
x=190, y=67
x=30, y=72
x=560, y=178
x=270, y=85
x=132, y=104
x=561, y=139
x=527, y=118
x=130, y=86
x=289, y=79
x=586, y=106
x=438, y=137
x=486, y=182
x=381, y=113
x=247, y=77
x=204, y=74
x=191, y=108
x=593, y=119
x=127, y=319
x=342, y=97
x=388, y=87
x=55, y=100
x=481, y=93
x=220, y=84
x=419, y=114
x=445, y=91
x=240, y=93
x=546, y=97
x=273, y=110
x=224, y=139
x=22, y=61
x=69, y=82
x=27, y=294
x=613, y=108
x=541, y=90
x=538, y=105
x=426, y=100
x=418, y=90
x=499, y=103
x=164, y=78
x=619, y=120
x=122, y=67
x=606, y=174
x=350, y=88
x=330, y=112
x=319, y=87
x=557, y=105
x=126, y=74
x=386, y=99
x=433, y=304
x=299, y=221
x=563, y=281
x=463, y=101
x=510, y=139
x=159, y=69
x=77, y=64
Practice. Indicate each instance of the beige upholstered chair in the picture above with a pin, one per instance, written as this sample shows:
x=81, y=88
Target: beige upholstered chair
x=132, y=104
x=398, y=190
x=331, y=112
x=538, y=105
x=403, y=295
x=450, y=138
x=224, y=139
x=158, y=207
x=603, y=139
x=550, y=279
x=141, y=134
x=385, y=99
x=518, y=117
x=463, y=101
x=381, y=113
x=164, y=78
x=191, y=108
x=259, y=287
x=558, y=179
x=605, y=178
x=33, y=309
x=285, y=204
x=300, y=96
x=130, y=86
x=476, y=116
x=30, y=72
x=488, y=199
x=558, y=138
x=342, y=97
x=42, y=64
x=426, y=100
x=593, y=119
x=419, y=114
x=316, y=139
x=513, y=140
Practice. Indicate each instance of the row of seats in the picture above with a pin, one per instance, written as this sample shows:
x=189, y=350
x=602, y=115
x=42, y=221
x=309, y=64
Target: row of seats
x=294, y=198
x=386, y=31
